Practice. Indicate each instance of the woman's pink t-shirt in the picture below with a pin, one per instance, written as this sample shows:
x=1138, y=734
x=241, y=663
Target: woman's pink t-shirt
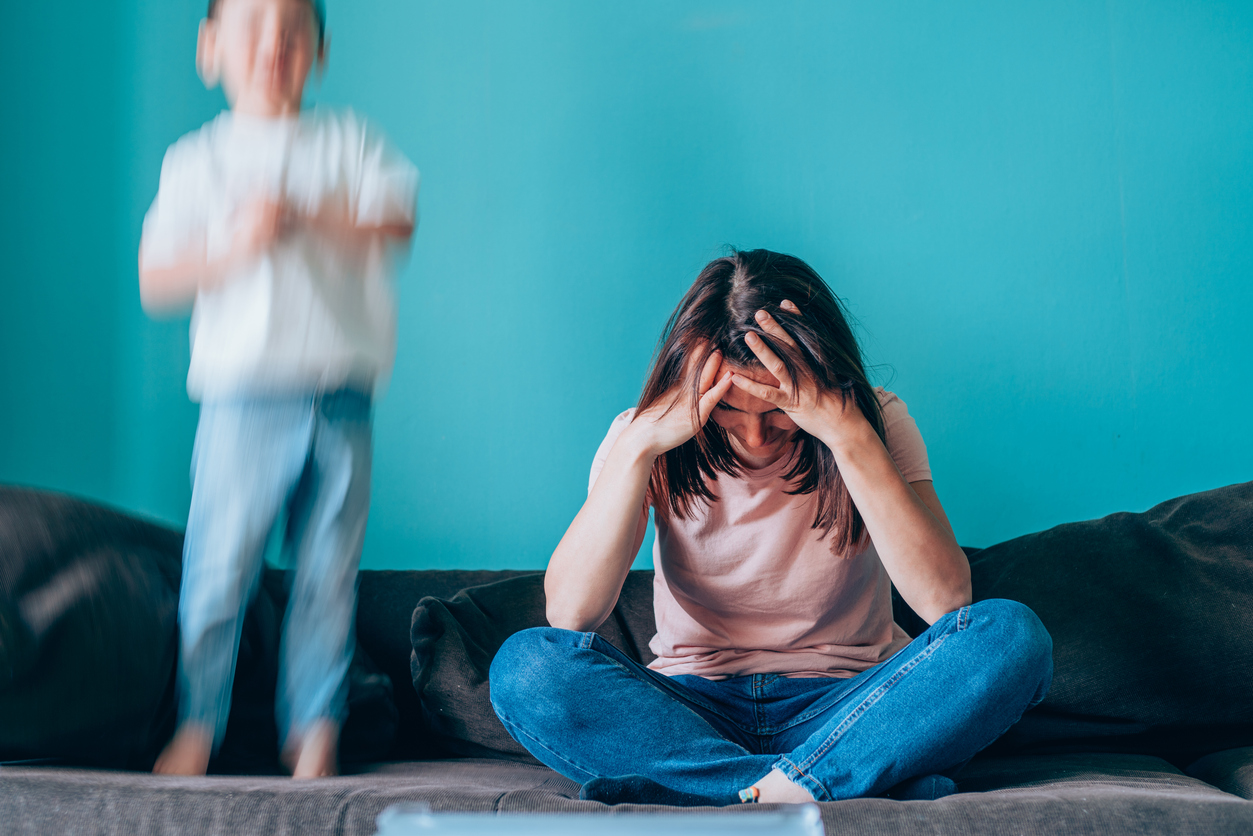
x=746, y=585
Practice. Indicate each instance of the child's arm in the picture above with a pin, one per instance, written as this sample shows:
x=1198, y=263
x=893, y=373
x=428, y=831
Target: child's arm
x=174, y=284
x=337, y=225
x=382, y=201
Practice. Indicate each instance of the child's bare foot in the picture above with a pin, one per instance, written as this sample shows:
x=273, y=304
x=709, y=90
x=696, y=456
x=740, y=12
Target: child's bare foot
x=187, y=753
x=777, y=788
x=316, y=755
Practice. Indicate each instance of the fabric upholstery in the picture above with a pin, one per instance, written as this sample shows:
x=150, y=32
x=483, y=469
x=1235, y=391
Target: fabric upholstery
x=89, y=646
x=1230, y=770
x=1152, y=622
x=88, y=613
x=1074, y=794
x=454, y=642
x=385, y=604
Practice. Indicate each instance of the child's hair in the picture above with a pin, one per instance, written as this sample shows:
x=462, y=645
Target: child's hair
x=319, y=14
x=715, y=315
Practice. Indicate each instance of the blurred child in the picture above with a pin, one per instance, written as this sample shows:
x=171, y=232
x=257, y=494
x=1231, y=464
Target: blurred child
x=277, y=224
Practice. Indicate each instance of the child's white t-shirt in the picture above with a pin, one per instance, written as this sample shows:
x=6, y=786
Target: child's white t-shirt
x=311, y=313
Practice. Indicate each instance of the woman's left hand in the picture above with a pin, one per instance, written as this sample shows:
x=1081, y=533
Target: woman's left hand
x=828, y=415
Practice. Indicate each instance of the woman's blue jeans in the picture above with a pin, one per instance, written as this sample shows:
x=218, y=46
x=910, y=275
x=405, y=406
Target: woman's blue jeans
x=588, y=711
x=254, y=458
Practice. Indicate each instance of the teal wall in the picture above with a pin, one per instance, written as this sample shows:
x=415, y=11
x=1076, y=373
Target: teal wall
x=59, y=244
x=1040, y=213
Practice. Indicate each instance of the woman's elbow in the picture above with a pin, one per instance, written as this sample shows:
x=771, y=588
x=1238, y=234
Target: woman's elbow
x=949, y=601
x=571, y=612
x=568, y=618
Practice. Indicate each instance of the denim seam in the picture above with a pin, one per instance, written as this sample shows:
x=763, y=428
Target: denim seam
x=758, y=690
x=866, y=704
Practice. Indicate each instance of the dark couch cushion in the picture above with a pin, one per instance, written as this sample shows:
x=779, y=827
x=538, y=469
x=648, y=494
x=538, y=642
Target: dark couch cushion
x=385, y=605
x=88, y=615
x=1152, y=622
x=1230, y=770
x=89, y=646
x=455, y=640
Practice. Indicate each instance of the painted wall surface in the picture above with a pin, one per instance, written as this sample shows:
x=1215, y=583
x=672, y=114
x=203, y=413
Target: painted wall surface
x=58, y=246
x=1039, y=212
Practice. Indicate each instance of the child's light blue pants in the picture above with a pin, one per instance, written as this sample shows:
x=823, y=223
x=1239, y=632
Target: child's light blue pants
x=253, y=458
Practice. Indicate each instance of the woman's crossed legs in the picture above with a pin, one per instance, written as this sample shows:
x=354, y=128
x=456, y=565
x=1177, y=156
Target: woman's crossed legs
x=588, y=711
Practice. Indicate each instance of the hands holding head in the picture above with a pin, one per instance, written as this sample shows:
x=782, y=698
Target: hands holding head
x=672, y=421
x=827, y=414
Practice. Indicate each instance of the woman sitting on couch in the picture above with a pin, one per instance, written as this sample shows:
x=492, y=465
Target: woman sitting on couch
x=789, y=495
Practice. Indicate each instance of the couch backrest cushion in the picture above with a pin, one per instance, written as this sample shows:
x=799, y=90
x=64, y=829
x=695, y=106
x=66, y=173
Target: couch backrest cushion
x=1152, y=622
x=385, y=603
x=88, y=612
x=89, y=645
x=455, y=640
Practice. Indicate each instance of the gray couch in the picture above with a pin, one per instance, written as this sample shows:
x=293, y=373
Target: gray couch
x=1149, y=728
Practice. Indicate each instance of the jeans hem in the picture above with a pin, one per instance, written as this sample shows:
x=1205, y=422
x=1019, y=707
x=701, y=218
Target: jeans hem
x=806, y=782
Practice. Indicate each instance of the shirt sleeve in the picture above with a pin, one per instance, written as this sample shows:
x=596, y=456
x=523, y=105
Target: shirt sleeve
x=387, y=183
x=615, y=429
x=175, y=223
x=904, y=441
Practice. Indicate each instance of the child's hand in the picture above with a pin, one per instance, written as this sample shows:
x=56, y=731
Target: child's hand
x=259, y=225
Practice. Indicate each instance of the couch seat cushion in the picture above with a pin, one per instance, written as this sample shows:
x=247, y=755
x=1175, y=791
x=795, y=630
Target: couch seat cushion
x=1042, y=795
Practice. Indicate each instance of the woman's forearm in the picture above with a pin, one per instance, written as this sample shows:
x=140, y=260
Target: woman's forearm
x=917, y=547
x=590, y=564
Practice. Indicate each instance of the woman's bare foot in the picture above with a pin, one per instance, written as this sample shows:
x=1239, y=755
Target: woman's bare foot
x=777, y=788
x=187, y=753
x=316, y=754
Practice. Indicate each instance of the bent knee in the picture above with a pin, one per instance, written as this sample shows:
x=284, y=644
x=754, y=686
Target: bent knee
x=1017, y=629
x=527, y=659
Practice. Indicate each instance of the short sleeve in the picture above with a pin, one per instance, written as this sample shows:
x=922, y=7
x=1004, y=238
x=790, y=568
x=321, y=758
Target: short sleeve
x=176, y=220
x=904, y=441
x=387, y=185
x=615, y=429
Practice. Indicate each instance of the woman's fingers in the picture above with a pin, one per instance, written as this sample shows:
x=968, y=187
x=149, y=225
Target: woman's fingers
x=710, y=399
x=709, y=372
x=772, y=327
x=761, y=390
x=767, y=357
x=790, y=306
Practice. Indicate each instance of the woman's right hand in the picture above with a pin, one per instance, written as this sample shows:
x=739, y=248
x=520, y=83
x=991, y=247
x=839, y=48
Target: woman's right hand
x=671, y=421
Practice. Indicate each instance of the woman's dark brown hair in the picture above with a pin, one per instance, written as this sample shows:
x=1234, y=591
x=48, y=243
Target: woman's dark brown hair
x=715, y=315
